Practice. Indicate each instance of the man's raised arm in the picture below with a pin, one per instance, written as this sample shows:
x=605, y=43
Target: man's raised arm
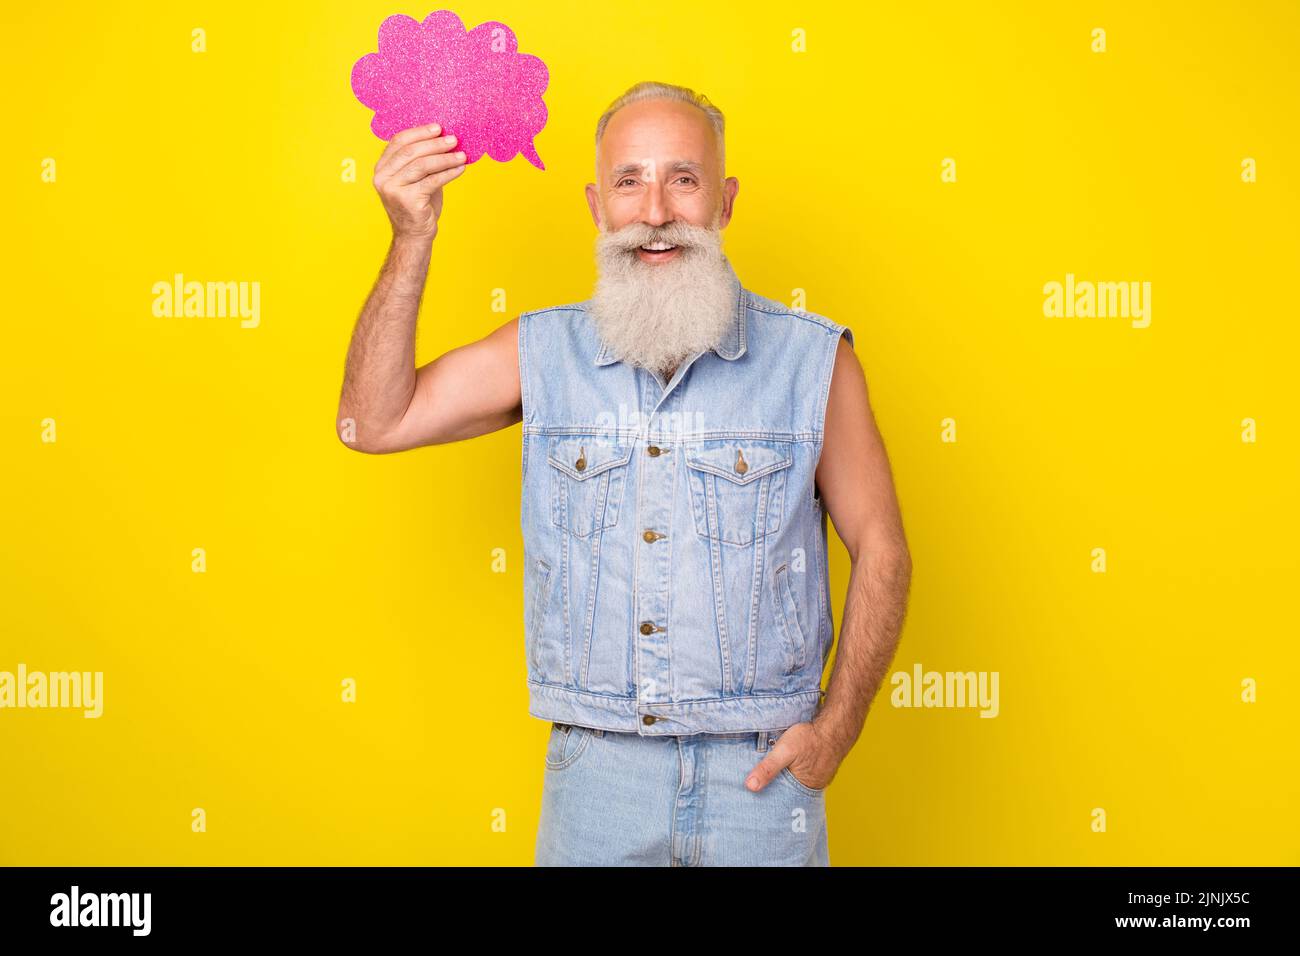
x=387, y=404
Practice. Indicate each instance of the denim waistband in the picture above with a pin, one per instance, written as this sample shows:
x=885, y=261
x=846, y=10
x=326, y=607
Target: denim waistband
x=763, y=739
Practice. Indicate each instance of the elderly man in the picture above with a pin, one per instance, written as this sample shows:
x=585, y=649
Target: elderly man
x=683, y=441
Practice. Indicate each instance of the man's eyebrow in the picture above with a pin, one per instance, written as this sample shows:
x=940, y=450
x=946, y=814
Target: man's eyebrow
x=687, y=166
x=677, y=166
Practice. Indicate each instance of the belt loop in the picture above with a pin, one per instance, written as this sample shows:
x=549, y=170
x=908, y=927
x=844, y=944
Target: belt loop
x=761, y=741
x=599, y=732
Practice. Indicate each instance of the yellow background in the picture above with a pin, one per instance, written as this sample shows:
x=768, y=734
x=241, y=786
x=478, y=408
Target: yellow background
x=222, y=690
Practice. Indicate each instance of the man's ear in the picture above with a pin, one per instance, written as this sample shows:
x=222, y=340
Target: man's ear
x=593, y=203
x=730, y=186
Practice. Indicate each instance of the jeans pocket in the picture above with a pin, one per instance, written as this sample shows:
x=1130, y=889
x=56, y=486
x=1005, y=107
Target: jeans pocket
x=565, y=745
x=787, y=776
x=791, y=779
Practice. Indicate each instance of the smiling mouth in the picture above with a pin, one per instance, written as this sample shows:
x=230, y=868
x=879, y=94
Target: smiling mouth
x=657, y=250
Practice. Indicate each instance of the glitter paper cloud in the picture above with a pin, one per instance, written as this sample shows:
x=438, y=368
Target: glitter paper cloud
x=474, y=84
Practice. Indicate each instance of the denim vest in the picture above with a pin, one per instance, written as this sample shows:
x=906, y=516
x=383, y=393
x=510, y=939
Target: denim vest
x=675, y=549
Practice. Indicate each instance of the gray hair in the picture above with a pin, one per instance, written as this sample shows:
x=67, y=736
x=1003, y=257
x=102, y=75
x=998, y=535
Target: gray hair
x=649, y=90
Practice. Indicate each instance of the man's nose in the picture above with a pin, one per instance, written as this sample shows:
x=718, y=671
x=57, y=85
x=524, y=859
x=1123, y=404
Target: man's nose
x=655, y=209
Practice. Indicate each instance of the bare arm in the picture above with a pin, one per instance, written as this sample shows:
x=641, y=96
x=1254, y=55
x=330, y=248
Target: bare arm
x=855, y=482
x=387, y=404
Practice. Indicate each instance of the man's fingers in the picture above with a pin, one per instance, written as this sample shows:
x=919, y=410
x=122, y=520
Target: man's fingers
x=418, y=169
x=406, y=137
x=404, y=154
x=434, y=182
x=764, y=771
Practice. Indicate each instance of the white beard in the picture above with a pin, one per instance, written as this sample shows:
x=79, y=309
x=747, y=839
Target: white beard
x=656, y=315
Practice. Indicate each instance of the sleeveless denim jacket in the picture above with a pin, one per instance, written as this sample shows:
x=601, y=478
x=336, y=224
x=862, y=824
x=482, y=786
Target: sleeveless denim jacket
x=675, y=549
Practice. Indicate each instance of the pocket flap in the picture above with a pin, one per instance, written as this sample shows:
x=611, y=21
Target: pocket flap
x=741, y=460
x=594, y=453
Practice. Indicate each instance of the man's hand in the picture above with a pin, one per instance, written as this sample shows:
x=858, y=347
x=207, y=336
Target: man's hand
x=808, y=754
x=409, y=177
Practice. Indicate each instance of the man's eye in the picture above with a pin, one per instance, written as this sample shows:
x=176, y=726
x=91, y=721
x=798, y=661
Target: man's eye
x=622, y=181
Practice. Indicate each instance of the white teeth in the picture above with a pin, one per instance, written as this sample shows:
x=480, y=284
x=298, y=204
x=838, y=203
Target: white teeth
x=658, y=247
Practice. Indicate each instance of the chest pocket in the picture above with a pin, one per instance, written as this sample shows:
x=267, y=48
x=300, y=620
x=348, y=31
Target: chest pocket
x=738, y=487
x=588, y=473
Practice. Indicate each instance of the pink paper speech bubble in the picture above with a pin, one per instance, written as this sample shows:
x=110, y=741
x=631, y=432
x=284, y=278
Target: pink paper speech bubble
x=475, y=84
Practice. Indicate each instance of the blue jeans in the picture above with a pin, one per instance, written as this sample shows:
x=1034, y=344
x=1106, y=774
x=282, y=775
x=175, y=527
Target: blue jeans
x=621, y=799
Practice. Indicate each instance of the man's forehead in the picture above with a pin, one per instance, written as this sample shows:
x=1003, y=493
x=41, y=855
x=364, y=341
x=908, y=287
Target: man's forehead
x=658, y=133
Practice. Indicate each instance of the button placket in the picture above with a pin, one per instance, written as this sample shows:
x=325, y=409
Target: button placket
x=654, y=506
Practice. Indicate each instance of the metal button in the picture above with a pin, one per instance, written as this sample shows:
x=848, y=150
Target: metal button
x=581, y=463
x=651, y=535
x=742, y=466
x=653, y=451
x=648, y=719
x=647, y=627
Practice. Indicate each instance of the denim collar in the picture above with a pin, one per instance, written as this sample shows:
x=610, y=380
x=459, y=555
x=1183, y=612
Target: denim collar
x=732, y=345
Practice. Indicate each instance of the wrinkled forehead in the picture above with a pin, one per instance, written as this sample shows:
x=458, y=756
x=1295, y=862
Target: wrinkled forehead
x=654, y=138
